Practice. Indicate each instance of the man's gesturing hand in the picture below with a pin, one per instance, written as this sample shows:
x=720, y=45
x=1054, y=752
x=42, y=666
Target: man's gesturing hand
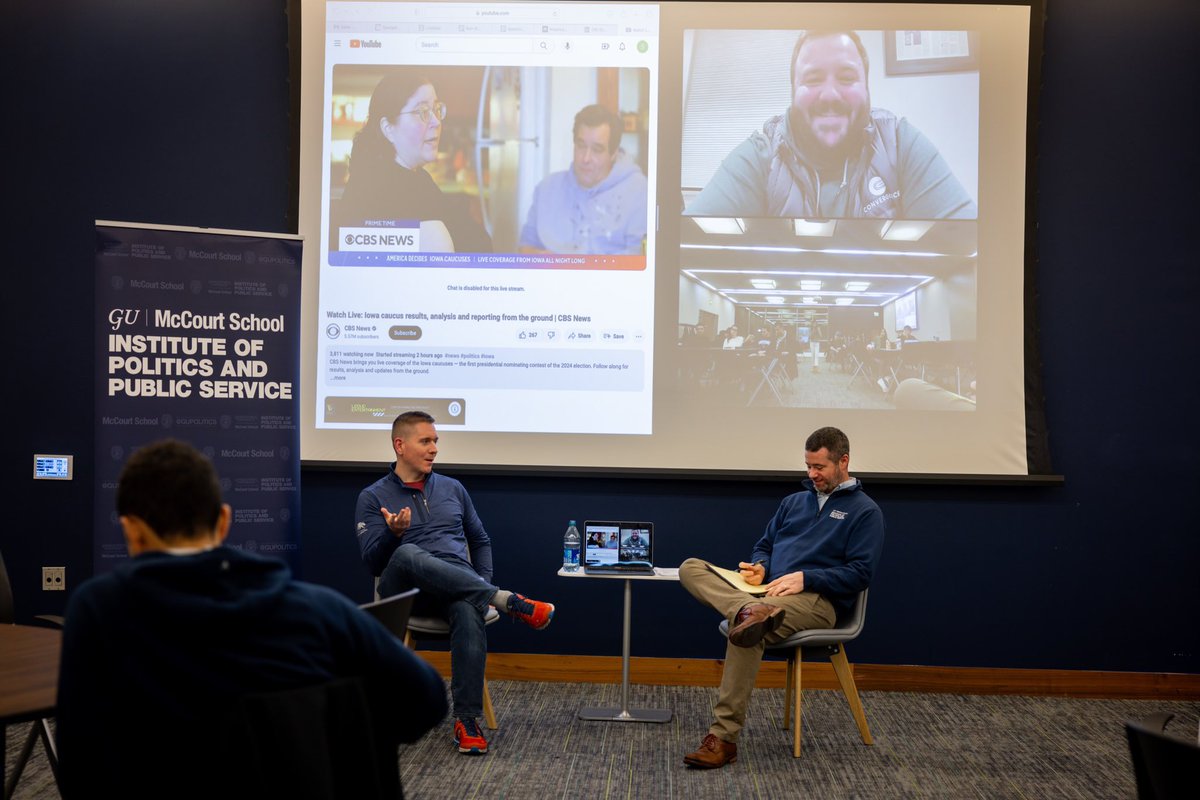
x=397, y=523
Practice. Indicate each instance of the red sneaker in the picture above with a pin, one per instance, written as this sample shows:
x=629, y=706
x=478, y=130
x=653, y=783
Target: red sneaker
x=533, y=613
x=469, y=737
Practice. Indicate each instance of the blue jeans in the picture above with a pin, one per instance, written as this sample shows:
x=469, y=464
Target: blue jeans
x=451, y=588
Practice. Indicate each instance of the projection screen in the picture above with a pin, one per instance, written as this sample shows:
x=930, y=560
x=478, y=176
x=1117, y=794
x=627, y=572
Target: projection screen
x=667, y=237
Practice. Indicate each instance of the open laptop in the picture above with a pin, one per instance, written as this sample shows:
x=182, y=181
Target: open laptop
x=618, y=547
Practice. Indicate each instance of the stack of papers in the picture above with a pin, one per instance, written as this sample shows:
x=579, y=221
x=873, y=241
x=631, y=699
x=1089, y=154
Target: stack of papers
x=735, y=579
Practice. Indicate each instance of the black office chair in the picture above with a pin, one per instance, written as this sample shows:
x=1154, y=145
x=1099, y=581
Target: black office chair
x=8, y=613
x=1166, y=767
x=828, y=643
x=40, y=728
x=315, y=743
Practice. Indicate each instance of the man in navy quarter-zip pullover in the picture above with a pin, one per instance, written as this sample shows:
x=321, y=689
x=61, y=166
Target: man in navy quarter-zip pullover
x=819, y=551
x=417, y=529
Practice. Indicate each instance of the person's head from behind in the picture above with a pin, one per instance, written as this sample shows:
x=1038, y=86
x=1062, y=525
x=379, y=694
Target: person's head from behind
x=831, y=101
x=597, y=134
x=827, y=457
x=168, y=495
x=414, y=440
x=404, y=122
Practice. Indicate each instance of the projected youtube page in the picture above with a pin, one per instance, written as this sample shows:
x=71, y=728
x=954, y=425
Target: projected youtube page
x=487, y=233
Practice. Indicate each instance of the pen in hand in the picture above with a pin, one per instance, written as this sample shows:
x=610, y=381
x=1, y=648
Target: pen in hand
x=753, y=574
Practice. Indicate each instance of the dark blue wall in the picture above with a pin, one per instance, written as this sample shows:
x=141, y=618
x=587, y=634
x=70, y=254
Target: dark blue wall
x=177, y=113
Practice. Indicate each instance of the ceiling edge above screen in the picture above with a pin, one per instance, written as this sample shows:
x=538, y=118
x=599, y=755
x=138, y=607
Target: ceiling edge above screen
x=566, y=335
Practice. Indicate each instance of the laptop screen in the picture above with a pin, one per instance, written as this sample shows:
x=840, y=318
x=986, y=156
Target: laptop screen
x=607, y=543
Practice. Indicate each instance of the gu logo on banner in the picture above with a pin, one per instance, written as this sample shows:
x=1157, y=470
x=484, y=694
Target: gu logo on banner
x=123, y=316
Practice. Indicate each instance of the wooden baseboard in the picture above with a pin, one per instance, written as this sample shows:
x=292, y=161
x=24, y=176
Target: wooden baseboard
x=819, y=675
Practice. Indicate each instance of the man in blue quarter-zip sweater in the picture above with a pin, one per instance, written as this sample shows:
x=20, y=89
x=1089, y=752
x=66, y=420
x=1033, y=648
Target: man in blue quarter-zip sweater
x=819, y=551
x=419, y=529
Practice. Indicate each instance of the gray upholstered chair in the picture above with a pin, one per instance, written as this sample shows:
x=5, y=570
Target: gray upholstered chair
x=828, y=643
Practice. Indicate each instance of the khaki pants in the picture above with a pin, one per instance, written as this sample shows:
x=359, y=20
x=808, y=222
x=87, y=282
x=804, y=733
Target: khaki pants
x=801, y=611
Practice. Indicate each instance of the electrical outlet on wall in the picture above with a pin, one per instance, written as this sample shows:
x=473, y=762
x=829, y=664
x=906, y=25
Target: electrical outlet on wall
x=54, y=579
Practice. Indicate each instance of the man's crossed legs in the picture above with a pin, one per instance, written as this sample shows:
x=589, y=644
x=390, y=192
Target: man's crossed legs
x=760, y=625
x=450, y=587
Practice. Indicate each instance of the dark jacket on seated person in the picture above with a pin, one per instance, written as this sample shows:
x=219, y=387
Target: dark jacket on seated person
x=157, y=652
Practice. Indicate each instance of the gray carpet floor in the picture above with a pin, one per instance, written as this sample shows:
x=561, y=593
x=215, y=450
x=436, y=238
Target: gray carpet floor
x=926, y=746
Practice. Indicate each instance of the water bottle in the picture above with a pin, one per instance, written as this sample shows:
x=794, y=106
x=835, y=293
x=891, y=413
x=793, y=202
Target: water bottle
x=571, y=544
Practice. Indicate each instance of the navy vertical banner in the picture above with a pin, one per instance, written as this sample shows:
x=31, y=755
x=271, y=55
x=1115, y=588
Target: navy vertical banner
x=197, y=339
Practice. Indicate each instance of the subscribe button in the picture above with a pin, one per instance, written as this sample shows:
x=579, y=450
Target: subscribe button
x=404, y=333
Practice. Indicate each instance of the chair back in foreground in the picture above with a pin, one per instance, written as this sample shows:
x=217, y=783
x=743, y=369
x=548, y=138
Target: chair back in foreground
x=1165, y=767
x=314, y=743
x=393, y=611
x=828, y=643
x=7, y=615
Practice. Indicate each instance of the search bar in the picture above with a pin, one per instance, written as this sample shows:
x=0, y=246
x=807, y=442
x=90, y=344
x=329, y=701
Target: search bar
x=478, y=44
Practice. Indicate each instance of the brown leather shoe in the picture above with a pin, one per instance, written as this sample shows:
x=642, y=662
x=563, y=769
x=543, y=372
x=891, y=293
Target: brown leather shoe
x=753, y=622
x=712, y=753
